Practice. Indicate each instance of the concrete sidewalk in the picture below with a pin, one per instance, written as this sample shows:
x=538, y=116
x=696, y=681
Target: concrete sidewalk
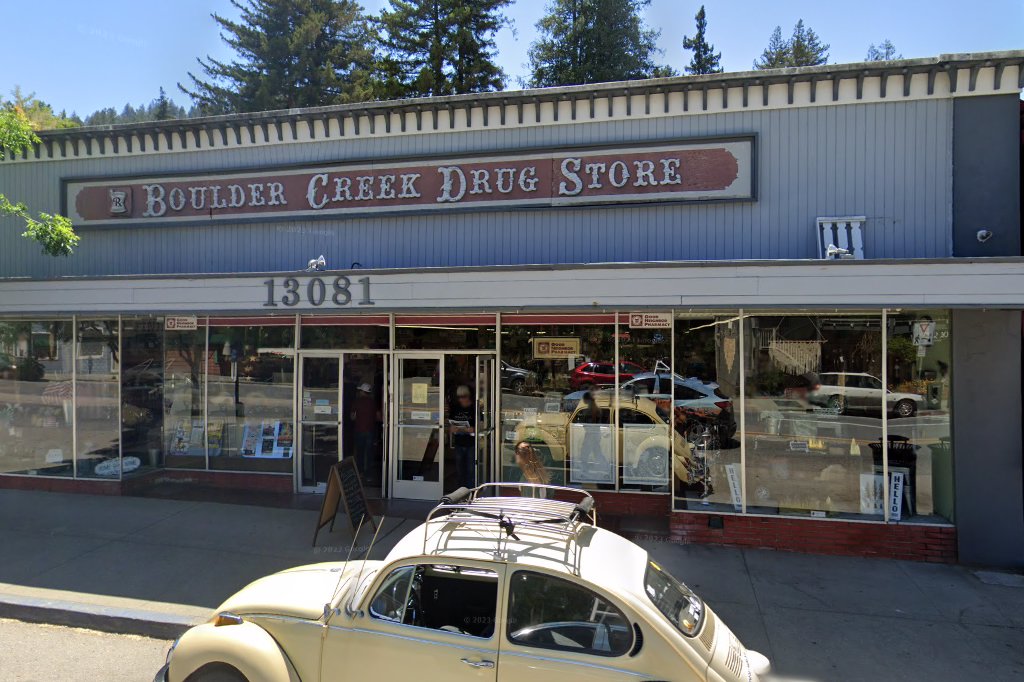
x=153, y=566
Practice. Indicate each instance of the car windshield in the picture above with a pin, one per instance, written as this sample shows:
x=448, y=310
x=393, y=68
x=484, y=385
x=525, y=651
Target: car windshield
x=676, y=601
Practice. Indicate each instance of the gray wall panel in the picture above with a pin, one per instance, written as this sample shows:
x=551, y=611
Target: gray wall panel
x=986, y=168
x=889, y=161
x=987, y=437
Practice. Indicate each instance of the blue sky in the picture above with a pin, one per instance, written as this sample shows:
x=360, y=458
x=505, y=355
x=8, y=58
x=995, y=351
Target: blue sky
x=82, y=56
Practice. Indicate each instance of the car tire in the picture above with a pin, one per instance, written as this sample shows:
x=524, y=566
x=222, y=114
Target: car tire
x=217, y=672
x=838, y=403
x=518, y=386
x=652, y=464
x=905, y=408
x=693, y=431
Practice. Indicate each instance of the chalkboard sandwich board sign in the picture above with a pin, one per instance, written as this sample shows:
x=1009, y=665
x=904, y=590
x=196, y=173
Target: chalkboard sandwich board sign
x=344, y=486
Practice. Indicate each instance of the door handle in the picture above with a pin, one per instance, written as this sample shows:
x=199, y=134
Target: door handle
x=478, y=664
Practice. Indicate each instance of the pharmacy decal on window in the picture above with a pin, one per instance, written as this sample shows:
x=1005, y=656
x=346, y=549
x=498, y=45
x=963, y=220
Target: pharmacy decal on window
x=556, y=348
x=706, y=169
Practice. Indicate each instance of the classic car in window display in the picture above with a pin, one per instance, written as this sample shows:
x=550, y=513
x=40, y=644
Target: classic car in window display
x=501, y=588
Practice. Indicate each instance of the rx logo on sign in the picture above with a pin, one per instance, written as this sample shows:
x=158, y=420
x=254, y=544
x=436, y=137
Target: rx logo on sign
x=118, y=201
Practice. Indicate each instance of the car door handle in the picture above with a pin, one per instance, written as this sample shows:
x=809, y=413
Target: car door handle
x=478, y=664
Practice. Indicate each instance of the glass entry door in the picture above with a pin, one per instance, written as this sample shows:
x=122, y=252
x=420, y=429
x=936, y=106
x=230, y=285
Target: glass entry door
x=343, y=409
x=485, y=431
x=320, y=420
x=418, y=467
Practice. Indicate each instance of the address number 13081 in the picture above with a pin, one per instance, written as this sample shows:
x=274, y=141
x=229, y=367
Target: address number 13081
x=339, y=291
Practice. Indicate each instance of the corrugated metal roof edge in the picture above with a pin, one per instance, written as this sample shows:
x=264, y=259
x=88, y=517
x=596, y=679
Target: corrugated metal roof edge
x=554, y=267
x=943, y=62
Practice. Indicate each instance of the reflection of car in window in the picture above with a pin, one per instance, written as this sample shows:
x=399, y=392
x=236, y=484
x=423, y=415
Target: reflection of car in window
x=600, y=374
x=550, y=435
x=516, y=379
x=702, y=403
x=847, y=392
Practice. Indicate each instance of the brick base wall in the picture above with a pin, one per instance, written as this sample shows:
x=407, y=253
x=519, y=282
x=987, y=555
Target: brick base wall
x=138, y=484
x=213, y=479
x=60, y=485
x=915, y=542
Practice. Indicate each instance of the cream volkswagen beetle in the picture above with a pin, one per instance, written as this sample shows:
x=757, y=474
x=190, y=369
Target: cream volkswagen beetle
x=499, y=588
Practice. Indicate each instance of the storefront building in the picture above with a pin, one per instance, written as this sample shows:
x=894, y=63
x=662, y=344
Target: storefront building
x=778, y=309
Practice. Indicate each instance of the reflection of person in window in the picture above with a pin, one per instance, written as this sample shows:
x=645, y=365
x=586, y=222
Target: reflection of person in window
x=594, y=460
x=463, y=437
x=532, y=468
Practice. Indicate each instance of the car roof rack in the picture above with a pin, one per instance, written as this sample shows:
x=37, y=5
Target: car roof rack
x=556, y=517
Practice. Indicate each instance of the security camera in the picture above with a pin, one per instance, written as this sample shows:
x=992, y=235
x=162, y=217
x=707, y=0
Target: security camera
x=316, y=264
x=984, y=236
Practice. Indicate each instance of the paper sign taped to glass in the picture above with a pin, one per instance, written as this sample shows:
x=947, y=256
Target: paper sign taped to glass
x=645, y=454
x=591, y=454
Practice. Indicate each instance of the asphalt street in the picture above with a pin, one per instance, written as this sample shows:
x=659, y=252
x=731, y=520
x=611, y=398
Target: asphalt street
x=30, y=652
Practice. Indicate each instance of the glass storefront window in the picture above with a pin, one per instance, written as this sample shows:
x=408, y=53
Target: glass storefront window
x=645, y=406
x=813, y=397
x=920, y=409
x=97, y=391
x=184, y=435
x=345, y=333
x=414, y=332
x=36, y=398
x=142, y=393
x=557, y=379
x=705, y=409
x=251, y=398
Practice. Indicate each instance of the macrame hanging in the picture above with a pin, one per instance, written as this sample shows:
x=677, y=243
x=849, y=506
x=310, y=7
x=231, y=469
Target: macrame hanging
x=796, y=357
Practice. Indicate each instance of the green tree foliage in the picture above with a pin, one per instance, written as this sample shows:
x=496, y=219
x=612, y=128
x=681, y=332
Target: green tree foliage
x=776, y=55
x=705, y=60
x=440, y=47
x=803, y=48
x=160, y=109
x=53, y=232
x=290, y=53
x=884, y=52
x=593, y=41
x=40, y=115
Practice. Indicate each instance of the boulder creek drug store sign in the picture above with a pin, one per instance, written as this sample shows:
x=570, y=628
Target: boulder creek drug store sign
x=702, y=170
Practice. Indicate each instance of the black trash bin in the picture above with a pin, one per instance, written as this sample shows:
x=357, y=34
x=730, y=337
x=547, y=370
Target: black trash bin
x=902, y=454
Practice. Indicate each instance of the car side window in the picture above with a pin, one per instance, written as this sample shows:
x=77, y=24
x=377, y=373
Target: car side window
x=872, y=382
x=584, y=416
x=454, y=599
x=391, y=599
x=643, y=386
x=686, y=393
x=629, y=416
x=552, y=613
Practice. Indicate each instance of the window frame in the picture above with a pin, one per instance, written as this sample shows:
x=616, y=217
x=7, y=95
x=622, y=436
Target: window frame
x=580, y=585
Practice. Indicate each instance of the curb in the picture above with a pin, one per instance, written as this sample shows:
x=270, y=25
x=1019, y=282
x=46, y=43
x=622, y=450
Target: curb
x=113, y=618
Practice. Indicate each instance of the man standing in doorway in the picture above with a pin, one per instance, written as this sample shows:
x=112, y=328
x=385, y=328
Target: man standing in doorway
x=365, y=418
x=462, y=427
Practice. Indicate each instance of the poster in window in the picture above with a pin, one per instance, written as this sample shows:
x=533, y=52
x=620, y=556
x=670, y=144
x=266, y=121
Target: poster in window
x=872, y=494
x=285, y=437
x=250, y=440
x=591, y=454
x=180, y=439
x=215, y=438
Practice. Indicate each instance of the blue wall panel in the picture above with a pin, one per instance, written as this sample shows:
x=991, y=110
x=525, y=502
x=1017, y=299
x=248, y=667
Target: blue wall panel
x=888, y=161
